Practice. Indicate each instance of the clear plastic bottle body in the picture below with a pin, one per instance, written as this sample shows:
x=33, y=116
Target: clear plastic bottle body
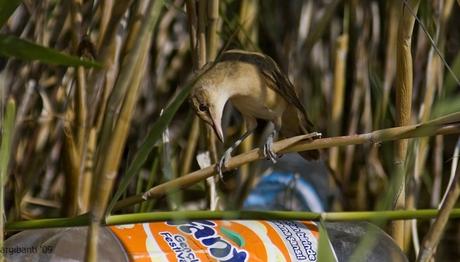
x=207, y=240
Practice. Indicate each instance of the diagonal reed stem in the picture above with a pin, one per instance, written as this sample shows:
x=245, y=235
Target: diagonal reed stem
x=444, y=125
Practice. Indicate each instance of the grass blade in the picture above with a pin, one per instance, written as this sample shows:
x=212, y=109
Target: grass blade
x=325, y=252
x=11, y=46
x=446, y=106
x=153, y=136
x=449, y=81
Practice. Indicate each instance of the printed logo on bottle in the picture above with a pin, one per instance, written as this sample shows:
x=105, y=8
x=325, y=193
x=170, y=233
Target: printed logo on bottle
x=204, y=231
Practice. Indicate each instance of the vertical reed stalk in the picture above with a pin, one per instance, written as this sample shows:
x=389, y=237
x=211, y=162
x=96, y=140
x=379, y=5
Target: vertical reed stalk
x=404, y=79
x=75, y=126
x=434, y=83
x=361, y=84
x=202, y=60
x=192, y=27
x=112, y=144
x=248, y=37
x=357, y=95
x=108, y=169
x=191, y=146
x=87, y=178
x=437, y=170
x=390, y=57
x=201, y=45
x=197, y=63
x=212, y=34
x=72, y=160
x=338, y=96
x=248, y=22
x=7, y=127
x=105, y=8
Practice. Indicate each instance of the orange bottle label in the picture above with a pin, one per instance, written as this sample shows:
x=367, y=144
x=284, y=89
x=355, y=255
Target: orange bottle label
x=220, y=240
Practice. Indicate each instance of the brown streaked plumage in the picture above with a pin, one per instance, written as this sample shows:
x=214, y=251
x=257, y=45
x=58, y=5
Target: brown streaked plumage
x=257, y=88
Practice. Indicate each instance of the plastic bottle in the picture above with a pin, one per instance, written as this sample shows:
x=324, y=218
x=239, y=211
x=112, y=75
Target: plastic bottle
x=204, y=240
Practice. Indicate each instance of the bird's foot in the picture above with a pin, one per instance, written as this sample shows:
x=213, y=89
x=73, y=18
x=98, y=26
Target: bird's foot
x=268, y=150
x=315, y=135
x=228, y=153
x=223, y=162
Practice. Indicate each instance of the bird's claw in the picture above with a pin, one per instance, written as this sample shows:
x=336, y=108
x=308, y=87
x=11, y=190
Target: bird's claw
x=269, y=154
x=222, y=163
x=219, y=168
x=316, y=135
x=268, y=151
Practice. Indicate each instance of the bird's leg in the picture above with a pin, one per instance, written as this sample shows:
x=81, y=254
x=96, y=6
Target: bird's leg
x=228, y=153
x=268, y=147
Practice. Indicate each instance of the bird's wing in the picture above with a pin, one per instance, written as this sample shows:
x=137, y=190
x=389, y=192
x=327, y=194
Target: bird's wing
x=274, y=77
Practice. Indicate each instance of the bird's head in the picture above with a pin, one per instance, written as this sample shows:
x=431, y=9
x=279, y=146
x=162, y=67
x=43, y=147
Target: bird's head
x=209, y=102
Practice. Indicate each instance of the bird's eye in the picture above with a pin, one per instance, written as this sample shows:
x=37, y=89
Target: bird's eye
x=203, y=107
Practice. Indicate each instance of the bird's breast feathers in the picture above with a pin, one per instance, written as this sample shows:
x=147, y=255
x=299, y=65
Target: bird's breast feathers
x=265, y=106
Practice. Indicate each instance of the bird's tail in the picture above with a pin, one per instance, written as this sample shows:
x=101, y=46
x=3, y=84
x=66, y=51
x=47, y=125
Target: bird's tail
x=296, y=123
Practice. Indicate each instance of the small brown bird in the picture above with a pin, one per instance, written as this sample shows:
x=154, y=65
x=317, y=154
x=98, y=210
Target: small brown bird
x=257, y=88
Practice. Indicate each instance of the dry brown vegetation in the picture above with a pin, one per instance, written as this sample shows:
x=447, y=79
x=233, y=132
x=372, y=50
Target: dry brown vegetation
x=82, y=133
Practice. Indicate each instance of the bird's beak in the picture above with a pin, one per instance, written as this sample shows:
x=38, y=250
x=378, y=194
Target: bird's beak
x=215, y=112
x=217, y=126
